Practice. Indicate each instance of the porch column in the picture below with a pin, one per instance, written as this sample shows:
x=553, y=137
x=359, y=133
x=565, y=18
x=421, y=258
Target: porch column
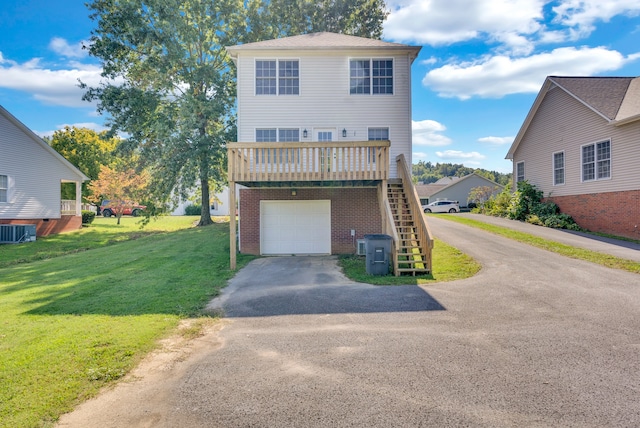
x=78, y=198
x=232, y=224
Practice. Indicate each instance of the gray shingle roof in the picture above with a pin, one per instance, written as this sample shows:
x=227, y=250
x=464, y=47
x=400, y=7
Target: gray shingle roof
x=322, y=40
x=603, y=94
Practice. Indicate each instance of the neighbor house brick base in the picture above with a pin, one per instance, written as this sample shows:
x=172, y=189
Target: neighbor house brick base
x=51, y=226
x=616, y=213
x=351, y=208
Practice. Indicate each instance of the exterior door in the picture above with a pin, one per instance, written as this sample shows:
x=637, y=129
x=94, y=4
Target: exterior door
x=324, y=135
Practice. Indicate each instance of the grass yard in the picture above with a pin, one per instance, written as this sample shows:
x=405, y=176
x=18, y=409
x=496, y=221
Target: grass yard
x=73, y=320
x=449, y=264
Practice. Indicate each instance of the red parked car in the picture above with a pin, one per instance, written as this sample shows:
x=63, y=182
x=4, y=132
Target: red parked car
x=107, y=211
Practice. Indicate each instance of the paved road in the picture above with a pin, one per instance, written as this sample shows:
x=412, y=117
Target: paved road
x=535, y=339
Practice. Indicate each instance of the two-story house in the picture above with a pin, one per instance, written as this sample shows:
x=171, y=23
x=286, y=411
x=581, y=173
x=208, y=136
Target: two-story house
x=324, y=148
x=580, y=145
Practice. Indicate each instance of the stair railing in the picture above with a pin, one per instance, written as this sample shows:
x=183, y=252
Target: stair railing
x=422, y=228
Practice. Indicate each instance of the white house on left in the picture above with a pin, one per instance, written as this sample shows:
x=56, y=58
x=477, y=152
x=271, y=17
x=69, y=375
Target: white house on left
x=31, y=175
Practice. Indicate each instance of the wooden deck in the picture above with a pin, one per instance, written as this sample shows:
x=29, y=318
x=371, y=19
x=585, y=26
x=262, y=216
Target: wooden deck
x=308, y=162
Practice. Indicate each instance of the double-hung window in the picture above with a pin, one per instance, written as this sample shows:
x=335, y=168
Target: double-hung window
x=558, y=168
x=267, y=135
x=277, y=77
x=596, y=161
x=371, y=76
x=274, y=135
x=286, y=135
x=376, y=134
x=519, y=172
x=4, y=188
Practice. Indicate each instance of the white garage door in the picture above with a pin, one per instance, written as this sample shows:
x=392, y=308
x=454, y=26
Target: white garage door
x=295, y=227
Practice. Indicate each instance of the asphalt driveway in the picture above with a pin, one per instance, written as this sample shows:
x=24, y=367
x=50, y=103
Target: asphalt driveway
x=535, y=339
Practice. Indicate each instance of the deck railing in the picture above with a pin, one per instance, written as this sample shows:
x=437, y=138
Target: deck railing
x=68, y=207
x=315, y=161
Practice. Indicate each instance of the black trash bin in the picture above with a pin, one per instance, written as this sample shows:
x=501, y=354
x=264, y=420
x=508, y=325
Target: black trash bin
x=378, y=249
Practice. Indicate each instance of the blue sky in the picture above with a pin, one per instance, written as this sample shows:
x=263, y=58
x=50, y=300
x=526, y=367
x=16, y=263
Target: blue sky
x=480, y=68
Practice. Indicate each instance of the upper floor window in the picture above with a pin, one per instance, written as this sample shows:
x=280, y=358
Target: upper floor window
x=558, y=168
x=371, y=76
x=519, y=172
x=277, y=77
x=376, y=134
x=4, y=188
x=273, y=135
x=596, y=161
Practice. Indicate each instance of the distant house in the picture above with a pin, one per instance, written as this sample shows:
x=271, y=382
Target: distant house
x=31, y=175
x=580, y=145
x=324, y=150
x=219, y=204
x=455, y=188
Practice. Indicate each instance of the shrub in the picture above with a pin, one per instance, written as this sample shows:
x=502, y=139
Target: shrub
x=534, y=219
x=88, y=216
x=192, y=209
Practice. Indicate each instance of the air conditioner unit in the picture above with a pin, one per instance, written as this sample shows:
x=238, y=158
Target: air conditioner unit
x=362, y=249
x=16, y=233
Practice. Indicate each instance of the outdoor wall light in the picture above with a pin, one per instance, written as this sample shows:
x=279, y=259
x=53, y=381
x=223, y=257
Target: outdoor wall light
x=344, y=132
x=294, y=192
x=305, y=133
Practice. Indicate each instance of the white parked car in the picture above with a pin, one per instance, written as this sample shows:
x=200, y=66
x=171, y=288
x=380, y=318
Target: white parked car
x=442, y=207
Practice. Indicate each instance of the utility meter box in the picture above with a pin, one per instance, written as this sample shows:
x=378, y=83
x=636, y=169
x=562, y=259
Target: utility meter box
x=378, y=255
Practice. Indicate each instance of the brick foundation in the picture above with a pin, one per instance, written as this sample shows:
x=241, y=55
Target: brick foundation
x=351, y=208
x=616, y=213
x=51, y=226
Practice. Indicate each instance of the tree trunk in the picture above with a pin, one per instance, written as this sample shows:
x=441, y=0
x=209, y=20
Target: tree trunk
x=205, y=213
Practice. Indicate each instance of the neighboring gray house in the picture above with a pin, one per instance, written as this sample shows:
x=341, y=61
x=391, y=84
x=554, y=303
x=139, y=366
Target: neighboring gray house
x=580, y=145
x=454, y=188
x=31, y=175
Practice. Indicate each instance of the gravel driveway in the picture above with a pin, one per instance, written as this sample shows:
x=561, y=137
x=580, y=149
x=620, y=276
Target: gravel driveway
x=535, y=339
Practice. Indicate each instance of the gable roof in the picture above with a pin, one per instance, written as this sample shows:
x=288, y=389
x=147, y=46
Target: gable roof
x=323, y=41
x=30, y=134
x=615, y=99
x=454, y=183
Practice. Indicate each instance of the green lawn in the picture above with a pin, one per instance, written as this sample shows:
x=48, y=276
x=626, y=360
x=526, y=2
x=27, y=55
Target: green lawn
x=72, y=323
x=79, y=310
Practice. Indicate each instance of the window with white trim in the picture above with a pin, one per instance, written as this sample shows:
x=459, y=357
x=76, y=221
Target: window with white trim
x=277, y=77
x=558, y=168
x=371, y=76
x=4, y=188
x=520, y=172
x=376, y=134
x=274, y=135
x=596, y=161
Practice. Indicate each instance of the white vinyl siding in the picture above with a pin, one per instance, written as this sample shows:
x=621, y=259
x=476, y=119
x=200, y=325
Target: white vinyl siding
x=558, y=168
x=564, y=124
x=324, y=101
x=519, y=172
x=34, y=174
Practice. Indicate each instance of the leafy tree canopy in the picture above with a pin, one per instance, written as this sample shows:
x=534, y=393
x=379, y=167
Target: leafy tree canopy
x=171, y=85
x=427, y=172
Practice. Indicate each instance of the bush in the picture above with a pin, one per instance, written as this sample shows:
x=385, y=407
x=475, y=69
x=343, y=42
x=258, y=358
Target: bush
x=192, y=209
x=88, y=217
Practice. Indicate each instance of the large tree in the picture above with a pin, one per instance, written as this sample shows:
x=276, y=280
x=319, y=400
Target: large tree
x=170, y=84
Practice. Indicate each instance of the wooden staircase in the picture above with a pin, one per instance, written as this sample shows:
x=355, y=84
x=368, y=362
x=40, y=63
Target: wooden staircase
x=413, y=250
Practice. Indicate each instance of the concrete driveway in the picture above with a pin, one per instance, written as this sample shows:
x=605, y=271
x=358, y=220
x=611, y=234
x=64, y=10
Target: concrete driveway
x=535, y=339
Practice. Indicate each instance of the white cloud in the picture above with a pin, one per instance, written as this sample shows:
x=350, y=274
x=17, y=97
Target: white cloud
x=441, y=22
x=580, y=15
x=62, y=47
x=469, y=158
x=496, y=141
x=427, y=133
x=90, y=125
x=418, y=156
x=497, y=76
x=57, y=87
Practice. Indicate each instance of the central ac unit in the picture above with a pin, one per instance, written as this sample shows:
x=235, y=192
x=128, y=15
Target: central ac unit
x=362, y=248
x=16, y=233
